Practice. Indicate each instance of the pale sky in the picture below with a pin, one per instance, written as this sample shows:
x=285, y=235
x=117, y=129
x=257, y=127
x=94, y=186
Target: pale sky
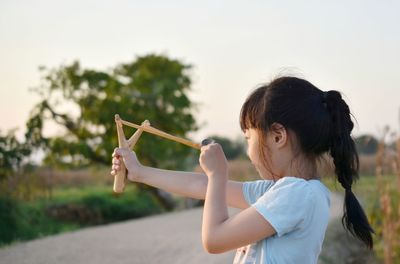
x=350, y=46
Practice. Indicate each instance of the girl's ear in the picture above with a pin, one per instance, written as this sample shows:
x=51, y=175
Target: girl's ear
x=279, y=135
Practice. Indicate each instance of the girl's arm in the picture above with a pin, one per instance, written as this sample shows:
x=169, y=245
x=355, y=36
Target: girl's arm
x=188, y=184
x=220, y=232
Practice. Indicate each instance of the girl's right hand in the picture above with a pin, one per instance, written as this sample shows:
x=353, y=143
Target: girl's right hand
x=131, y=163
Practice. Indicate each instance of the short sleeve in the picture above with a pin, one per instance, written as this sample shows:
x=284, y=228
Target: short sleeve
x=252, y=190
x=286, y=204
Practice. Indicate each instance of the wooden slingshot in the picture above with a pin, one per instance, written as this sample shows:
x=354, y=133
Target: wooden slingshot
x=120, y=177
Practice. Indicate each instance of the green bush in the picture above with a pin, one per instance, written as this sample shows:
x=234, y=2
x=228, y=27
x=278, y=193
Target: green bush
x=71, y=209
x=100, y=207
x=8, y=219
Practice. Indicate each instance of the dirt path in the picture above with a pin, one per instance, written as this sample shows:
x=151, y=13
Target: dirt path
x=168, y=238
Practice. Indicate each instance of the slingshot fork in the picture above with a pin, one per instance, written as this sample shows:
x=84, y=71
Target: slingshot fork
x=120, y=177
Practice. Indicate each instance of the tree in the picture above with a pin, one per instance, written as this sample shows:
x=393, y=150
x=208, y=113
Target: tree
x=366, y=144
x=12, y=154
x=152, y=87
x=232, y=148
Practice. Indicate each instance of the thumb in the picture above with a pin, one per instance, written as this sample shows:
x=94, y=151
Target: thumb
x=129, y=157
x=123, y=152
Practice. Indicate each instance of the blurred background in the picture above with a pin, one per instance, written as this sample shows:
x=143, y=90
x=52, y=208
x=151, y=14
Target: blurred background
x=187, y=66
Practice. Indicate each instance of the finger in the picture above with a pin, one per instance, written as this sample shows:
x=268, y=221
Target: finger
x=116, y=160
x=113, y=172
x=205, y=147
x=121, y=152
x=114, y=152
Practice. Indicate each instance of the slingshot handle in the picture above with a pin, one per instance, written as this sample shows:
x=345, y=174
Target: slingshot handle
x=120, y=177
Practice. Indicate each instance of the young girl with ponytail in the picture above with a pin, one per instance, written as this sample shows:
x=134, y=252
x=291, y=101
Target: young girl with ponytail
x=289, y=124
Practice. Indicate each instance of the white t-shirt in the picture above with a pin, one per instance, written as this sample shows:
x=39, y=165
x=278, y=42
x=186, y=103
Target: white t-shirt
x=298, y=210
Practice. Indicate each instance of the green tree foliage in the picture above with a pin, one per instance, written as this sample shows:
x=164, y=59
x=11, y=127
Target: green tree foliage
x=233, y=149
x=13, y=157
x=152, y=87
x=84, y=101
x=366, y=144
x=12, y=154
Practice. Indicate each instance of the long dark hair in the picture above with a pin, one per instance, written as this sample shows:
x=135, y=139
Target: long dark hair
x=321, y=122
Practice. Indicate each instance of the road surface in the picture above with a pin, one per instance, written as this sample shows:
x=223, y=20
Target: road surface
x=168, y=238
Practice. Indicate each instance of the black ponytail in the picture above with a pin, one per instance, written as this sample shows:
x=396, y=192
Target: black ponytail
x=346, y=161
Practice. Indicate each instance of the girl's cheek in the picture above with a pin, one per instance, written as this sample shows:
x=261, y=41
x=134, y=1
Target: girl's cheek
x=255, y=161
x=250, y=154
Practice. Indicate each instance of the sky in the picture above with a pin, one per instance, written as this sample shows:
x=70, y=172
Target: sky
x=349, y=46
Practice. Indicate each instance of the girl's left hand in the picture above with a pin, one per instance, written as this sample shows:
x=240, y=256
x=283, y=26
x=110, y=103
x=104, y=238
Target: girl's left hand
x=213, y=161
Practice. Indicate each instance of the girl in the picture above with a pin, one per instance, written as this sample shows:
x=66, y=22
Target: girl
x=289, y=124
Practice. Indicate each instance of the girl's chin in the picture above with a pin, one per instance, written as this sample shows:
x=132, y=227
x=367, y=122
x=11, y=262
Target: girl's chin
x=265, y=175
